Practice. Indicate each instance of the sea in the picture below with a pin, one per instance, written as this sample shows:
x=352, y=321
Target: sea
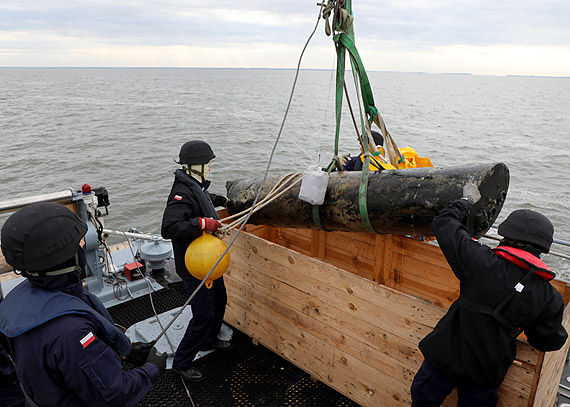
x=122, y=128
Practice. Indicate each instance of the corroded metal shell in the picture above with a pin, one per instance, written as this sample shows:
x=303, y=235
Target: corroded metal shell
x=402, y=202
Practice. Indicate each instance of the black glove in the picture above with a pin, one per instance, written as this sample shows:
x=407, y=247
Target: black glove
x=139, y=352
x=157, y=360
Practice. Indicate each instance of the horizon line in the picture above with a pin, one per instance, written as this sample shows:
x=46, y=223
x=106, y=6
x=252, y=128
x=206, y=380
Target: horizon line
x=275, y=69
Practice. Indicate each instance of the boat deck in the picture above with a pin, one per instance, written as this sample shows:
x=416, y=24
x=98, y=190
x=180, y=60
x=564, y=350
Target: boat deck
x=246, y=375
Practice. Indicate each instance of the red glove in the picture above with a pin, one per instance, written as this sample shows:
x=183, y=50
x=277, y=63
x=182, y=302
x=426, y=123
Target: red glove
x=209, y=224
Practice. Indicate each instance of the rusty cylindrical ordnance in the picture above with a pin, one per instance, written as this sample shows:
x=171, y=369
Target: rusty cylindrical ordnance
x=402, y=202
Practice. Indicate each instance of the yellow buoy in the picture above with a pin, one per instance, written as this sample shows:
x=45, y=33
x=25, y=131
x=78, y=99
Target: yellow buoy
x=202, y=254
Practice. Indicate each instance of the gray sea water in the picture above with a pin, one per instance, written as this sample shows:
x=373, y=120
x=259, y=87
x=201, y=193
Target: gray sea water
x=122, y=129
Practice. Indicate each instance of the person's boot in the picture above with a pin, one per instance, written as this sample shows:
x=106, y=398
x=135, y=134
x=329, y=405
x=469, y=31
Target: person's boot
x=192, y=374
x=218, y=345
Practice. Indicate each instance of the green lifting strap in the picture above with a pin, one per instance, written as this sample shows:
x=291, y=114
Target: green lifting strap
x=363, y=195
x=344, y=42
x=317, y=218
x=341, y=58
x=367, y=97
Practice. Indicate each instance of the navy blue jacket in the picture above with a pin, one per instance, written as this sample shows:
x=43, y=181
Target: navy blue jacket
x=10, y=392
x=69, y=358
x=188, y=201
x=475, y=347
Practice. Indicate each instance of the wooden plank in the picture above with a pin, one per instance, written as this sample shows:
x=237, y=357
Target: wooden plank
x=413, y=248
x=378, y=329
x=258, y=230
x=328, y=293
x=323, y=240
x=365, y=247
x=527, y=355
x=378, y=267
x=318, y=244
x=344, y=290
x=351, y=262
x=307, y=343
x=547, y=387
x=429, y=253
x=389, y=277
x=335, y=285
x=512, y=389
x=374, y=332
x=442, y=276
x=517, y=386
x=564, y=288
x=440, y=295
x=308, y=233
x=347, y=244
x=292, y=240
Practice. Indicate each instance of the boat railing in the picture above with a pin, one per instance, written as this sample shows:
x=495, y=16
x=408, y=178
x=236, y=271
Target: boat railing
x=554, y=241
x=13, y=205
x=557, y=241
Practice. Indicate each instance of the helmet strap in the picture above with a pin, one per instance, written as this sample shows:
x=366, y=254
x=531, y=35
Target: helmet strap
x=56, y=272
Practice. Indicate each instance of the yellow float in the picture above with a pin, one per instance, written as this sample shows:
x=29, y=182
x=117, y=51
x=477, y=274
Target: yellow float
x=202, y=254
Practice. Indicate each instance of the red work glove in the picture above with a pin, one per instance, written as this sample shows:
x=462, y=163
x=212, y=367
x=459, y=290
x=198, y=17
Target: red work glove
x=209, y=224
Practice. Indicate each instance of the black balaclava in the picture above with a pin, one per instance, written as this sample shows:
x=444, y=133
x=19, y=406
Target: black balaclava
x=61, y=282
x=529, y=247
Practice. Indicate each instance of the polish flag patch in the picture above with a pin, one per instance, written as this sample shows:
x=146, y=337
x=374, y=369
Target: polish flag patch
x=87, y=339
x=178, y=197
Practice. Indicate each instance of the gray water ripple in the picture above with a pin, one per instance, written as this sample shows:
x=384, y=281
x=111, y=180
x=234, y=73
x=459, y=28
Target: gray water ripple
x=122, y=128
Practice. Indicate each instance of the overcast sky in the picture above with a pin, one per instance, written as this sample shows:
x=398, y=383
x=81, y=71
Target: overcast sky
x=499, y=37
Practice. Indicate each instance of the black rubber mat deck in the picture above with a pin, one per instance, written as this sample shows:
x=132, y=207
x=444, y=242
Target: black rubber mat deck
x=246, y=375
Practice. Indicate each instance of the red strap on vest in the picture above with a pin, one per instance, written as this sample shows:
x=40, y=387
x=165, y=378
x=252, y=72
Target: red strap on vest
x=525, y=260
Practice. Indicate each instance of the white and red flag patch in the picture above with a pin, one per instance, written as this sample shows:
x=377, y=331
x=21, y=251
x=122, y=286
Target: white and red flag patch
x=178, y=197
x=87, y=339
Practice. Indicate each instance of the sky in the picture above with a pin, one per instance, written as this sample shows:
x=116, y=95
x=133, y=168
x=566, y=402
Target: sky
x=499, y=37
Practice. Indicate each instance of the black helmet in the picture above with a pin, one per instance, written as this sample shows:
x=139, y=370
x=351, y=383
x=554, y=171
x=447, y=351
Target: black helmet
x=41, y=236
x=195, y=152
x=528, y=226
x=378, y=139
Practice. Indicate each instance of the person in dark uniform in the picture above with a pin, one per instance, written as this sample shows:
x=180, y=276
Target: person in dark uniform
x=189, y=211
x=503, y=292
x=355, y=163
x=10, y=392
x=66, y=349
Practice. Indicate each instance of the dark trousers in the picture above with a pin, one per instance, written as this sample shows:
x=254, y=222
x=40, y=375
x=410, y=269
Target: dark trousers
x=431, y=386
x=208, y=309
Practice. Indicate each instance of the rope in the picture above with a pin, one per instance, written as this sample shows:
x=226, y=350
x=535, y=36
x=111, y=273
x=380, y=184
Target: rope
x=149, y=292
x=187, y=392
x=352, y=116
x=272, y=195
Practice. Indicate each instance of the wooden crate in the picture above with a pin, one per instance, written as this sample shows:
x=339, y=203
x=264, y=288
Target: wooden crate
x=350, y=309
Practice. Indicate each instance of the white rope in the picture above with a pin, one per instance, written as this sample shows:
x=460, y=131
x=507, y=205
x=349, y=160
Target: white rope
x=270, y=197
